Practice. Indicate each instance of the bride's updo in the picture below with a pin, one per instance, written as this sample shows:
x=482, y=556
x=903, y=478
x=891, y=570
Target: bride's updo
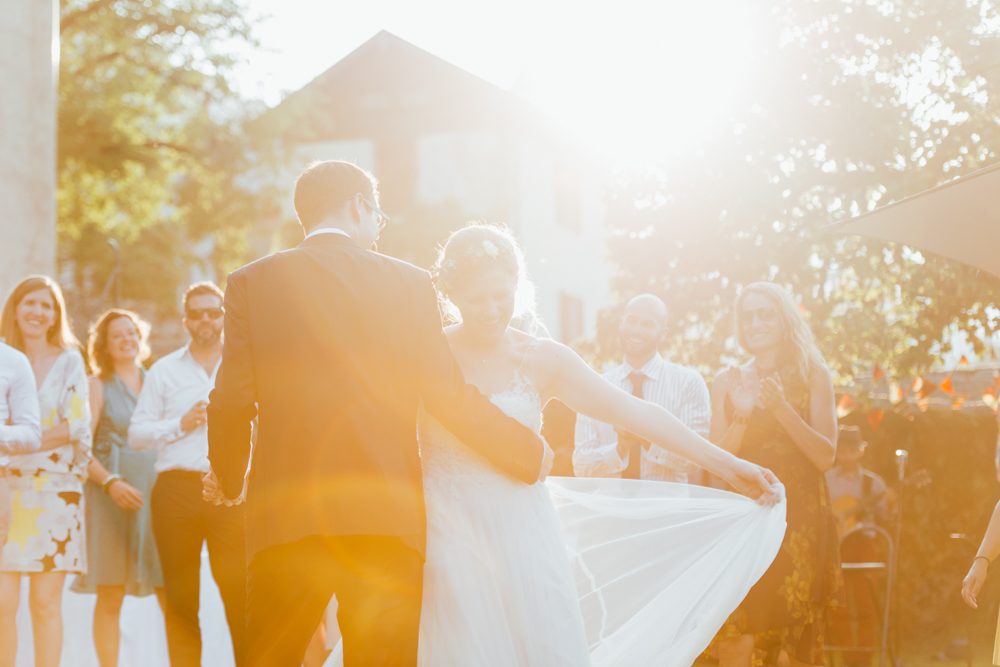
x=471, y=251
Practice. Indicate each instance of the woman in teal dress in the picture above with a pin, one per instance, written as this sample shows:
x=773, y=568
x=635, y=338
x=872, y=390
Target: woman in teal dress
x=121, y=551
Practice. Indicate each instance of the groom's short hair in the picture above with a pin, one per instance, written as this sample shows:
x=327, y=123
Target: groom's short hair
x=325, y=186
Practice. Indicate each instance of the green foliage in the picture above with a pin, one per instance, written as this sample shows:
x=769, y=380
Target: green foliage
x=152, y=147
x=855, y=102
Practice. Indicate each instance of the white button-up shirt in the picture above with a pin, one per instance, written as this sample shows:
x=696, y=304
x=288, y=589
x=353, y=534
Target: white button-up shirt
x=172, y=386
x=680, y=391
x=20, y=422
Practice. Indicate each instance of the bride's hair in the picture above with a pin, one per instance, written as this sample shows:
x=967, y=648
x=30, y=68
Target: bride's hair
x=800, y=353
x=474, y=249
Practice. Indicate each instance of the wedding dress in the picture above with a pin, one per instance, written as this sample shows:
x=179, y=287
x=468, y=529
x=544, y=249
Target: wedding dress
x=576, y=571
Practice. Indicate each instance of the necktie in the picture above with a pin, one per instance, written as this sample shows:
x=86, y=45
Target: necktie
x=635, y=448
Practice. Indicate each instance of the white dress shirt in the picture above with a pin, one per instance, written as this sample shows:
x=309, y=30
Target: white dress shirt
x=326, y=230
x=172, y=386
x=680, y=391
x=20, y=421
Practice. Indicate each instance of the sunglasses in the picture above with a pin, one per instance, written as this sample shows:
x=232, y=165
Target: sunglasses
x=196, y=314
x=765, y=315
x=383, y=219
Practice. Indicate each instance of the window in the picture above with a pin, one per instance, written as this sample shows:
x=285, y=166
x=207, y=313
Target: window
x=570, y=318
x=566, y=186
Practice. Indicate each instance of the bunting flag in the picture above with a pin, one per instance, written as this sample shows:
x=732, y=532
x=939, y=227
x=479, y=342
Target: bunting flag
x=926, y=388
x=994, y=391
x=946, y=387
x=957, y=401
x=875, y=418
x=878, y=374
x=964, y=361
x=897, y=393
x=845, y=405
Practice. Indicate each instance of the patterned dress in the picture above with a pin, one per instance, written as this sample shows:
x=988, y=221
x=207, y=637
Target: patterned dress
x=46, y=488
x=787, y=608
x=121, y=550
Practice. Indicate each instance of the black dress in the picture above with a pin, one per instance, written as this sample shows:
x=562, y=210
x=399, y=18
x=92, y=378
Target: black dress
x=787, y=608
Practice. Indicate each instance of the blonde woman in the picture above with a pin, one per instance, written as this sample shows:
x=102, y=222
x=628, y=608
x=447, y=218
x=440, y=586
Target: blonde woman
x=778, y=411
x=121, y=551
x=47, y=532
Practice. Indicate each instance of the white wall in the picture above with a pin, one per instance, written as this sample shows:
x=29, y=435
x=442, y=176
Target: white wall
x=469, y=168
x=28, y=58
x=559, y=259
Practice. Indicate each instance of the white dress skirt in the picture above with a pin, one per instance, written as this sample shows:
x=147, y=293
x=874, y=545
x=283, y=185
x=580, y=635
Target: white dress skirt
x=576, y=572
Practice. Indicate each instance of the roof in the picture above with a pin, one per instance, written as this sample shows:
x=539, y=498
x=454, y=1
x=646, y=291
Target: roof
x=388, y=85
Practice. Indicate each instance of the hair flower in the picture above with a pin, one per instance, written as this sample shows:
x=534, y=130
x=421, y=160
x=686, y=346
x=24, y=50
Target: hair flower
x=491, y=249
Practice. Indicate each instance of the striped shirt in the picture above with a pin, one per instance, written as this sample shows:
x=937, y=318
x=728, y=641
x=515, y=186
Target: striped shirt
x=680, y=391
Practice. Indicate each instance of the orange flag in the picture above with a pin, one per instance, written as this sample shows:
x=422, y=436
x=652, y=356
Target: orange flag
x=846, y=403
x=926, y=388
x=946, y=386
x=995, y=389
x=878, y=374
x=875, y=418
x=964, y=361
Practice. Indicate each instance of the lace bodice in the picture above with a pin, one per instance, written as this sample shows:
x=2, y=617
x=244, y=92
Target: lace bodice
x=442, y=454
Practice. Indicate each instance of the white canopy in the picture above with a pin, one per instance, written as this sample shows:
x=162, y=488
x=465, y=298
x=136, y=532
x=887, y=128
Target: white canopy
x=959, y=219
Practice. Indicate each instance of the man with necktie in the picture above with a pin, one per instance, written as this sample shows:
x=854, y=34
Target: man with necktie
x=603, y=452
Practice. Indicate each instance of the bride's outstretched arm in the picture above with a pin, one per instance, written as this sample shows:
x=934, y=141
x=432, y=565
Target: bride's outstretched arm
x=586, y=392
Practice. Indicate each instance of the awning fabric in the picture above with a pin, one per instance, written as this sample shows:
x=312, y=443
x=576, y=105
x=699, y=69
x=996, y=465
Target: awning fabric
x=959, y=219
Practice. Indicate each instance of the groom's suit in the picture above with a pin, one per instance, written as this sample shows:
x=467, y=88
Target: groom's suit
x=333, y=347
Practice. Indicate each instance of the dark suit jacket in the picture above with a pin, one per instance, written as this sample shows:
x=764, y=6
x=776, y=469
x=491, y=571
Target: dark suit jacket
x=336, y=346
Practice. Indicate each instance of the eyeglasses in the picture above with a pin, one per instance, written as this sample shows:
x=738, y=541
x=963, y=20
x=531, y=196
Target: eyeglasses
x=196, y=314
x=383, y=219
x=765, y=315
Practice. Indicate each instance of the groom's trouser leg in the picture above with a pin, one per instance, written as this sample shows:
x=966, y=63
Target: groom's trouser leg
x=379, y=601
x=378, y=581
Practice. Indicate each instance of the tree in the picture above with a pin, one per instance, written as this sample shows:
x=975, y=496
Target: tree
x=855, y=101
x=152, y=147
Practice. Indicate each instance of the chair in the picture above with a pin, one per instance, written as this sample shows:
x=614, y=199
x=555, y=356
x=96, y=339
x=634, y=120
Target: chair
x=888, y=567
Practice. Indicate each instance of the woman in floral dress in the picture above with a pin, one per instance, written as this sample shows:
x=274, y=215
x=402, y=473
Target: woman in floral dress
x=46, y=539
x=778, y=411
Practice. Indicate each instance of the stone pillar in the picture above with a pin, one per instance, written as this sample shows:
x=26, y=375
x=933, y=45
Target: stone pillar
x=29, y=58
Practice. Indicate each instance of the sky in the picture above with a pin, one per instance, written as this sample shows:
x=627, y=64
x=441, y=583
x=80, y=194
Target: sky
x=632, y=79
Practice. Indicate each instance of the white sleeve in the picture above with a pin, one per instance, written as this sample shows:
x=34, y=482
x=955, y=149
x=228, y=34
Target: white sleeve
x=696, y=413
x=24, y=433
x=595, y=453
x=148, y=429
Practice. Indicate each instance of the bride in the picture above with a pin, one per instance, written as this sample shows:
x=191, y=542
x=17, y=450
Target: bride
x=570, y=572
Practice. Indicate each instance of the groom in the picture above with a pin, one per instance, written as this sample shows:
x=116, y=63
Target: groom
x=333, y=347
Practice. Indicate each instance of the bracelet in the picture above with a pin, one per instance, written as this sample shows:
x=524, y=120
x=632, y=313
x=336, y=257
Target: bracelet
x=984, y=558
x=109, y=480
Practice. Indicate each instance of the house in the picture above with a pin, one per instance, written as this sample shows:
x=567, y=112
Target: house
x=448, y=147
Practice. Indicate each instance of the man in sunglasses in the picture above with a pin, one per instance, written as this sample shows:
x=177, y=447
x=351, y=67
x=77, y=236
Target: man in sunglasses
x=170, y=417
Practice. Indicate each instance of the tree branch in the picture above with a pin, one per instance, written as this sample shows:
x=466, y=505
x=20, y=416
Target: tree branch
x=67, y=21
